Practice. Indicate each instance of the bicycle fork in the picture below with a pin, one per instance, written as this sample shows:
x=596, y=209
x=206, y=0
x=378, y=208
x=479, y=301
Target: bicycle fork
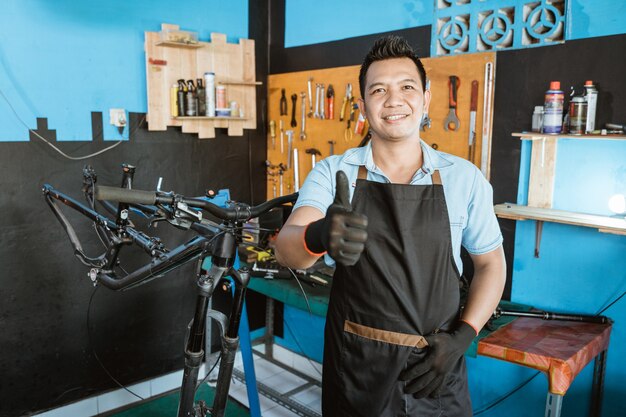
x=229, y=331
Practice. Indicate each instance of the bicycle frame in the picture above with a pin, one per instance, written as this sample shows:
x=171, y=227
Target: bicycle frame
x=218, y=241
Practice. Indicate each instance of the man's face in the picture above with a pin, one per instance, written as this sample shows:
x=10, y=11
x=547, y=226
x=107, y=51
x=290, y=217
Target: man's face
x=394, y=99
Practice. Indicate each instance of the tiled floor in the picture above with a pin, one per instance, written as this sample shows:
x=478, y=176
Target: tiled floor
x=281, y=380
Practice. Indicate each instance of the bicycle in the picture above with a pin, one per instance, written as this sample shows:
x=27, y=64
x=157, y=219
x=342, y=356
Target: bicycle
x=219, y=241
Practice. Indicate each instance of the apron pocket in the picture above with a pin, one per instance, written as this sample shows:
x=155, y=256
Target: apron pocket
x=371, y=361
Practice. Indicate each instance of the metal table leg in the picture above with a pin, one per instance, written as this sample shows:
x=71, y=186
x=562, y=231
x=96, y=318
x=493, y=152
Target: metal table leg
x=554, y=402
x=269, y=327
x=597, y=389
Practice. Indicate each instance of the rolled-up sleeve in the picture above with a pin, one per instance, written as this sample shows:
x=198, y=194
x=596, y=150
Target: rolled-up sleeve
x=482, y=233
x=317, y=190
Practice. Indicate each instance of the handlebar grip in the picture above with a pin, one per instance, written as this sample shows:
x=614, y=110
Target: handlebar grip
x=124, y=195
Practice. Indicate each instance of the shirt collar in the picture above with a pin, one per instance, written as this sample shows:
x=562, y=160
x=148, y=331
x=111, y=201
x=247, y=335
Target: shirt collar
x=433, y=159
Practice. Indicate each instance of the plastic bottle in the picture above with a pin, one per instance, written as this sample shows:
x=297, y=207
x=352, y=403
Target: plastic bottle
x=209, y=85
x=591, y=97
x=553, y=109
x=191, y=100
x=577, y=115
x=201, y=93
x=180, y=100
x=537, y=125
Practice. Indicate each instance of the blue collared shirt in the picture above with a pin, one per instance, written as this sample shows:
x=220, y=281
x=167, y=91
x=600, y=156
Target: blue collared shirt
x=469, y=195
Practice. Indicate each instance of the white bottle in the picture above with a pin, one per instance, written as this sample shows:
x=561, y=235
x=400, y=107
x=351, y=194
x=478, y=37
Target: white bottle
x=209, y=85
x=591, y=96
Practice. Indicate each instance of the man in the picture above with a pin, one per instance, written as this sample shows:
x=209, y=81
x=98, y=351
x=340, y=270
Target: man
x=394, y=220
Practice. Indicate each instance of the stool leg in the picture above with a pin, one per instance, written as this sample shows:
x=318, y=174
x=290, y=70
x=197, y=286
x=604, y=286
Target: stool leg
x=597, y=389
x=553, y=405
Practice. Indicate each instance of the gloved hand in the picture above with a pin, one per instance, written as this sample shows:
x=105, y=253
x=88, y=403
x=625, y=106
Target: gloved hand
x=444, y=349
x=342, y=233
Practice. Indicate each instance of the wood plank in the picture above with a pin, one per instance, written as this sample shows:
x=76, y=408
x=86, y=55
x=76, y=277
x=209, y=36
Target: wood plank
x=235, y=128
x=539, y=136
x=606, y=224
x=207, y=129
x=542, y=173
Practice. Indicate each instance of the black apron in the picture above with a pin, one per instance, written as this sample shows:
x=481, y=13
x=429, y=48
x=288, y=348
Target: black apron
x=405, y=285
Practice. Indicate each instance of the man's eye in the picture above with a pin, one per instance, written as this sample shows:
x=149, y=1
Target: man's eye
x=378, y=91
x=409, y=87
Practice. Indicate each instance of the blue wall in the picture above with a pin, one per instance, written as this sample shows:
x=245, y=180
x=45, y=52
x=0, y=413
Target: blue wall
x=309, y=22
x=591, y=18
x=329, y=20
x=64, y=59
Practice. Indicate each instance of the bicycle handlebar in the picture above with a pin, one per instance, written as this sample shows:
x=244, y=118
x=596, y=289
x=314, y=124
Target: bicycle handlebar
x=238, y=212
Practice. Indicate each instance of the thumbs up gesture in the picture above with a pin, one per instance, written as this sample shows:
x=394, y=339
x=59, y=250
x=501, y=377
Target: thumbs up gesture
x=342, y=233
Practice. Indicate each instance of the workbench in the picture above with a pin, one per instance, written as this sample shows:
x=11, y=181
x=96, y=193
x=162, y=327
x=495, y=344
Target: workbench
x=560, y=349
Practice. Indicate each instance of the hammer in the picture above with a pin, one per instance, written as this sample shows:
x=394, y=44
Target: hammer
x=332, y=146
x=313, y=153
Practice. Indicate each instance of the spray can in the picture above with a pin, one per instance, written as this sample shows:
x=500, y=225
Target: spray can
x=209, y=85
x=174, y=100
x=191, y=103
x=180, y=98
x=591, y=97
x=220, y=97
x=553, y=109
x=577, y=115
x=201, y=94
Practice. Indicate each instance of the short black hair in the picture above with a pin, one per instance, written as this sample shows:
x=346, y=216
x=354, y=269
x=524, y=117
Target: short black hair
x=388, y=47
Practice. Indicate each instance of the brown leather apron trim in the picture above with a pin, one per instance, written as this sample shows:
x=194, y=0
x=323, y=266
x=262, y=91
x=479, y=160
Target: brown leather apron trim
x=362, y=173
x=436, y=177
x=403, y=339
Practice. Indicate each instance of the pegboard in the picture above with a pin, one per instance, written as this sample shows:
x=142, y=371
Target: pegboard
x=319, y=132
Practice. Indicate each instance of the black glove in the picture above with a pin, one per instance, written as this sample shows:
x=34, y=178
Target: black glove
x=342, y=233
x=444, y=349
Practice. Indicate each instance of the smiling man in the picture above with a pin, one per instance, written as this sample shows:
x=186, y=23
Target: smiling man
x=392, y=216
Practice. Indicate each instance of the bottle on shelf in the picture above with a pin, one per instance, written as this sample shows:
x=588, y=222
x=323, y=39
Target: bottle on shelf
x=201, y=94
x=537, y=122
x=180, y=100
x=209, y=86
x=577, y=115
x=553, y=109
x=191, y=100
x=591, y=97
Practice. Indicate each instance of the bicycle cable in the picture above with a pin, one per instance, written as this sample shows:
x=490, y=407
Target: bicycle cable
x=95, y=354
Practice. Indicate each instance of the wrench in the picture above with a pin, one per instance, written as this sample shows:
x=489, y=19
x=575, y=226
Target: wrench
x=317, y=101
x=303, y=125
x=310, y=114
x=289, y=147
x=452, y=121
x=294, y=98
x=282, y=136
x=322, y=116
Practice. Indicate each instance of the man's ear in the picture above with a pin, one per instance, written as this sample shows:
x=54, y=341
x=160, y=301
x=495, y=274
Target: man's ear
x=427, y=97
x=361, y=104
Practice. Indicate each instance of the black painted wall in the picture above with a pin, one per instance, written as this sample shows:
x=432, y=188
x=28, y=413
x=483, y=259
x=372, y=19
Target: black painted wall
x=53, y=323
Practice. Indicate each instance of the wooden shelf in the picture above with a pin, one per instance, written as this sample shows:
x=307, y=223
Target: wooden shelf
x=250, y=83
x=208, y=118
x=171, y=44
x=606, y=224
x=539, y=136
x=233, y=65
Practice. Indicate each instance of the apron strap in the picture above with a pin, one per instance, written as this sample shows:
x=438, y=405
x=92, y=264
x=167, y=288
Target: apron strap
x=436, y=177
x=362, y=173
